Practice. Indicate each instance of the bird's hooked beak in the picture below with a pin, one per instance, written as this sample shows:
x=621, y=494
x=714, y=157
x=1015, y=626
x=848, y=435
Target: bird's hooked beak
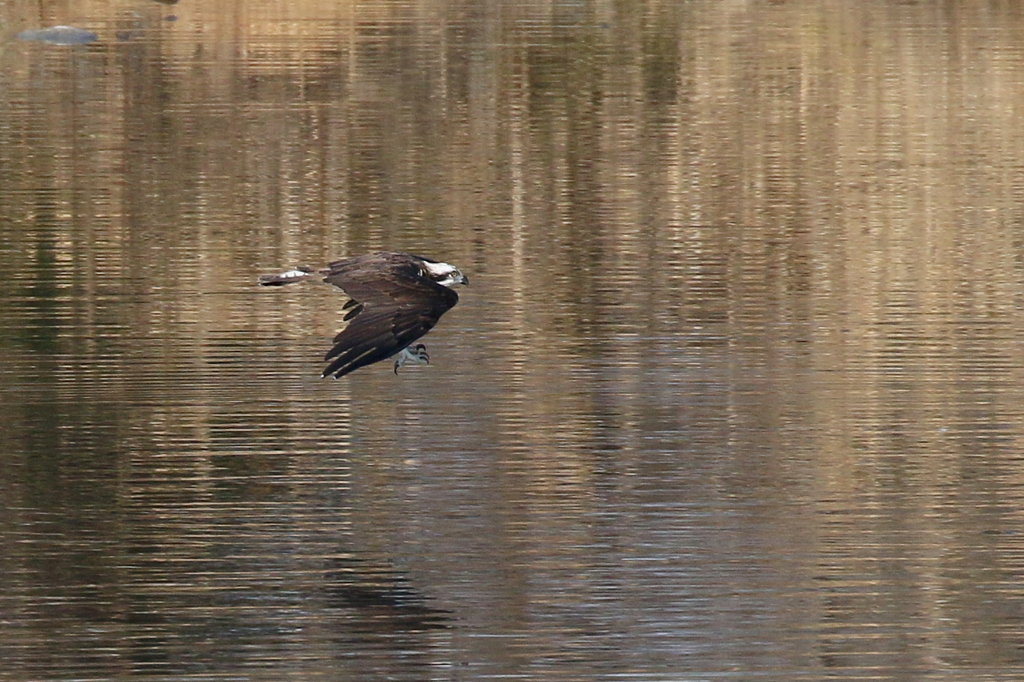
x=454, y=277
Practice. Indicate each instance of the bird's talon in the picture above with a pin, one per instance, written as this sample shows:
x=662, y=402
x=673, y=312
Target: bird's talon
x=415, y=354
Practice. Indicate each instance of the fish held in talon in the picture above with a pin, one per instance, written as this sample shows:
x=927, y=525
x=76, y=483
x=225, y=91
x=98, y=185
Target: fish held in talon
x=394, y=299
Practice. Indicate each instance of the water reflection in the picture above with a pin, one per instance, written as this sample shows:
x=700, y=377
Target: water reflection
x=736, y=390
x=59, y=35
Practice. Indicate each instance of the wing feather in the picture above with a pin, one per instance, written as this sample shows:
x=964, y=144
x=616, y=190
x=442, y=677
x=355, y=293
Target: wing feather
x=394, y=305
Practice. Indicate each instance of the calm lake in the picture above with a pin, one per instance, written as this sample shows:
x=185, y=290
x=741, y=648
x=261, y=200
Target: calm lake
x=736, y=391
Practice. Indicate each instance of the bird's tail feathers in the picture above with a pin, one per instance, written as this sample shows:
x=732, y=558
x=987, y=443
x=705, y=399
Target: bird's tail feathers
x=297, y=275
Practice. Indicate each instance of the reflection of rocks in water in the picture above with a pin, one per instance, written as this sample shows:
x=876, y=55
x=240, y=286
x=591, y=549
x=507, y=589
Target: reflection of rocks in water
x=59, y=35
x=381, y=598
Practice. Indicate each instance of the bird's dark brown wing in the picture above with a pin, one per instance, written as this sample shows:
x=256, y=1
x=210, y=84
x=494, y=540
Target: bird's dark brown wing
x=392, y=305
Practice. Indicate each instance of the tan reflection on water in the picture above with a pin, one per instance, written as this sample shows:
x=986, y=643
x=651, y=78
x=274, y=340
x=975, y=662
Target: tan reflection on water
x=736, y=386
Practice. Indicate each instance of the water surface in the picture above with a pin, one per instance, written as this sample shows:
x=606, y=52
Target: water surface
x=736, y=391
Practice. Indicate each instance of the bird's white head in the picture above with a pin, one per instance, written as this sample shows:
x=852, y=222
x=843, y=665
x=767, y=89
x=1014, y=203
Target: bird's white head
x=445, y=274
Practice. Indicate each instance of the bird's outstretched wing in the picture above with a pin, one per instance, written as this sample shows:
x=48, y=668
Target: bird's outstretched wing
x=392, y=304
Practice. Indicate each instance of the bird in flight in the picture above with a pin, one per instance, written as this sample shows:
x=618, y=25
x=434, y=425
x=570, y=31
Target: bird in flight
x=394, y=299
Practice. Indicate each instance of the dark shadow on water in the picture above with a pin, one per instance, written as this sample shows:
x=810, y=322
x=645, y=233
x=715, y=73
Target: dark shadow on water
x=381, y=599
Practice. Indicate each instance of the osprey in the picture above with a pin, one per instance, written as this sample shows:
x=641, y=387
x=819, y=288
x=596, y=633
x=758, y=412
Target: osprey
x=394, y=299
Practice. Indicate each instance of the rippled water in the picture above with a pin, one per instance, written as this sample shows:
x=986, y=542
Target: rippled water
x=735, y=393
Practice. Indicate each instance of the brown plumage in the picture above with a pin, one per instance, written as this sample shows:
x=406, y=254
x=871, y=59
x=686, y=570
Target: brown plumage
x=395, y=298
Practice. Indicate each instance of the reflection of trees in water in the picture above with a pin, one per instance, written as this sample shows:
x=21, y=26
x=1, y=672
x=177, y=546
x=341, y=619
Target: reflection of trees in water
x=676, y=211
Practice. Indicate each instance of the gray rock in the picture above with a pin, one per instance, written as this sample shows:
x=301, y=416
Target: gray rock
x=59, y=35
